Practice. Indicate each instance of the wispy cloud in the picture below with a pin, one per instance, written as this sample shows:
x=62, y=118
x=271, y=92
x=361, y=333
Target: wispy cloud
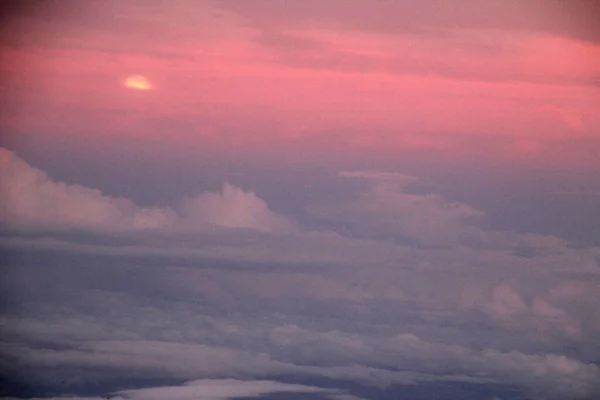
x=420, y=77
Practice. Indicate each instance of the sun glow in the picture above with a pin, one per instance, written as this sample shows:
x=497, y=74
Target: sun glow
x=137, y=82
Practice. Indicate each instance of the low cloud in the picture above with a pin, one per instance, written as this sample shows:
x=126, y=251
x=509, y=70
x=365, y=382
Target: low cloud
x=234, y=208
x=386, y=209
x=228, y=389
x=393, y=291
x=33, y=200
x=216, y=389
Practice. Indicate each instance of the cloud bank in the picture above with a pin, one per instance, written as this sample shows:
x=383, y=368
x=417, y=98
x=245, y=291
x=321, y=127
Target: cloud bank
x=31, y=199
x=385, y=291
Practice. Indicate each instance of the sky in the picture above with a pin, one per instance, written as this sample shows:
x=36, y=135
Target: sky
x=341, y=199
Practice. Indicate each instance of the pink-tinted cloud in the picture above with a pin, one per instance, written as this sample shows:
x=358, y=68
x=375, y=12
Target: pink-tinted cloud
x=234, y=208
x=393, y=76
x=32, y=199
x=387, y=208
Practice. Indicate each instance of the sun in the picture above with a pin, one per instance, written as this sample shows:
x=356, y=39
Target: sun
x=137, y=82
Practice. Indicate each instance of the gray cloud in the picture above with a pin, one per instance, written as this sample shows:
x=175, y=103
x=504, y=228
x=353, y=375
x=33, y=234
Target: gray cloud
x=396, y=290
x=386, y=208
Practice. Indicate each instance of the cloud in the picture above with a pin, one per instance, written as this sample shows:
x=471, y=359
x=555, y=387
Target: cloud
x=215, y=389
x=382, y=291
x=387, y=209
x=62, y=397
x=228, y=389
x=234, y=208
x=32, y=199
x=506, y=301
x=390, y=291
x=418, y=52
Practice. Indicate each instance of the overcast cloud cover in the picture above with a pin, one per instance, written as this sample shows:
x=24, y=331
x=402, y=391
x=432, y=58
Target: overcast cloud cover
x=106, y=296
x=337, y=199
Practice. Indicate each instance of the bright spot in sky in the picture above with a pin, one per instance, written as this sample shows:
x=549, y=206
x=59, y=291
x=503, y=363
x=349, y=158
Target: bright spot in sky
x=137, y=82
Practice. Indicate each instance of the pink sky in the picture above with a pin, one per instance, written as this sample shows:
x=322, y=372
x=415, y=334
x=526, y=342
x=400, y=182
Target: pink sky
x=510, y=80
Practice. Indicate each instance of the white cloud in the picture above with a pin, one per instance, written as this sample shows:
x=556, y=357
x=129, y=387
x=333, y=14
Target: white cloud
x=507, y=302
x=234, y=208
x=222, y=389
x=32, y=199
x=213, y=389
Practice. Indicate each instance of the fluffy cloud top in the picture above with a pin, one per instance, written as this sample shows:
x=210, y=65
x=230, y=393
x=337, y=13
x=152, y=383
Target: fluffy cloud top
x=32, y=199
x=387, y=209
x=234, y=208
x=390, y=292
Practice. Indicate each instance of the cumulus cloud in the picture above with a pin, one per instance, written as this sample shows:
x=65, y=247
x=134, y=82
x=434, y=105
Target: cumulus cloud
x=373, y=360
x=234, y=208
x=400, y=298
x=32, y=199
x=228, y=389
x=506, y=301
x=387, y=209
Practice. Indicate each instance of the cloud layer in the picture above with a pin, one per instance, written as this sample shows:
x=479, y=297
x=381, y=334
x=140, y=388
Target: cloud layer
x=313, y=199
x=352, y=79
x=393, y=292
